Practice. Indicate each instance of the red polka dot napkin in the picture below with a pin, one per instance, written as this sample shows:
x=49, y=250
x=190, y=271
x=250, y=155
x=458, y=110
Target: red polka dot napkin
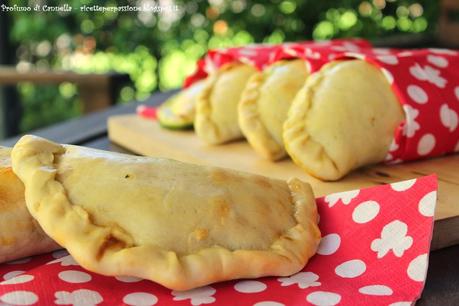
x=374, y=251
x=260, y=55
x=426, y=83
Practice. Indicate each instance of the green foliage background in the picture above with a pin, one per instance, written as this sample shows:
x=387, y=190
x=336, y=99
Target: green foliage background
x=158, y=50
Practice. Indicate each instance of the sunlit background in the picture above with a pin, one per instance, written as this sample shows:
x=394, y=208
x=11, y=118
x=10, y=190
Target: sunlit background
x=159, y=50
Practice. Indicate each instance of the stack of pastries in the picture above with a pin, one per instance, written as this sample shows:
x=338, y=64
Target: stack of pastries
x=330, y=118
x=239, y=101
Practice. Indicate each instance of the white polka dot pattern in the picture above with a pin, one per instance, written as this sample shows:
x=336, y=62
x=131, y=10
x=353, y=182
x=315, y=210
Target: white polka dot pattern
x=403, y=185
x=365, y=212
x=24, y=278
x=351, y=269
x=448, y=117
x=388, y=59
x=376, y=290
x=198, y=296
x=12, y=274
x=417, y=269
x=128, y=279
x=381, y=51
x=438, y=61
x=417, y=94
x=74, y=276
x=329, y=244
x=140, y=299
x=80, y=297
x=345, y=197
x=323, y=298
x=250, y=286
x=401, y=304
x=19, y=297
x=426, y=144
x=268, y=303
x=302, y=279
x=411, y=125
x=427, y=204
x=425, y=81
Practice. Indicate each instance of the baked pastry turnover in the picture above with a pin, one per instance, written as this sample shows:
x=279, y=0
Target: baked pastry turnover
x=343, y=118
x=20, y=234
x=216, y=110
x=265, y=103
x=177, y=224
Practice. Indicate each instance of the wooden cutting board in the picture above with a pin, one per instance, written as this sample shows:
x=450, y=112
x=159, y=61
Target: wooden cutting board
x=146, y=137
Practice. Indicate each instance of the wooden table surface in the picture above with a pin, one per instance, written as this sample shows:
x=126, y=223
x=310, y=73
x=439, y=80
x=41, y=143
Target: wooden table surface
x=442, y=285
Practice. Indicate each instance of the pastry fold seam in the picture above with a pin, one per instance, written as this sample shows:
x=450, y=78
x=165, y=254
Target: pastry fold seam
x=203, y=119
x=295, y=137
x=251, y=124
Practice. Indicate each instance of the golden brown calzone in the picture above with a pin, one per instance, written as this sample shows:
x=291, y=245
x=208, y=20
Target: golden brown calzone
x=178, y=224
x=343, y=118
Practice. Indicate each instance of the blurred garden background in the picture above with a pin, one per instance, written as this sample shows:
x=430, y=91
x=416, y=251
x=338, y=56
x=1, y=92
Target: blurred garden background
x=158, y=50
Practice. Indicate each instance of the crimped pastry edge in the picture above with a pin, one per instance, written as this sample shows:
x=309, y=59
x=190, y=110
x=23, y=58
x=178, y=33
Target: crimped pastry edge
x=109, y=250
x=251, y=124
x=297, y=139
x=204, y=125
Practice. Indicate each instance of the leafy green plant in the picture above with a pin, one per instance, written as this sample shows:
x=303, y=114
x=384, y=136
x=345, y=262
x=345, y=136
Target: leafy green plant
x=158, y=50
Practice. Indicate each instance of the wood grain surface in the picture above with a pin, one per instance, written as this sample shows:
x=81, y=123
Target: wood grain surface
x=147, y=138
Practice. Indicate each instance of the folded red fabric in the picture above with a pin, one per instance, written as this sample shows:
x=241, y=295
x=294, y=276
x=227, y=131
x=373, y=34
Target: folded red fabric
x=261, y=55
x=146, y=111
x=371, y=253
x=426, y=83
